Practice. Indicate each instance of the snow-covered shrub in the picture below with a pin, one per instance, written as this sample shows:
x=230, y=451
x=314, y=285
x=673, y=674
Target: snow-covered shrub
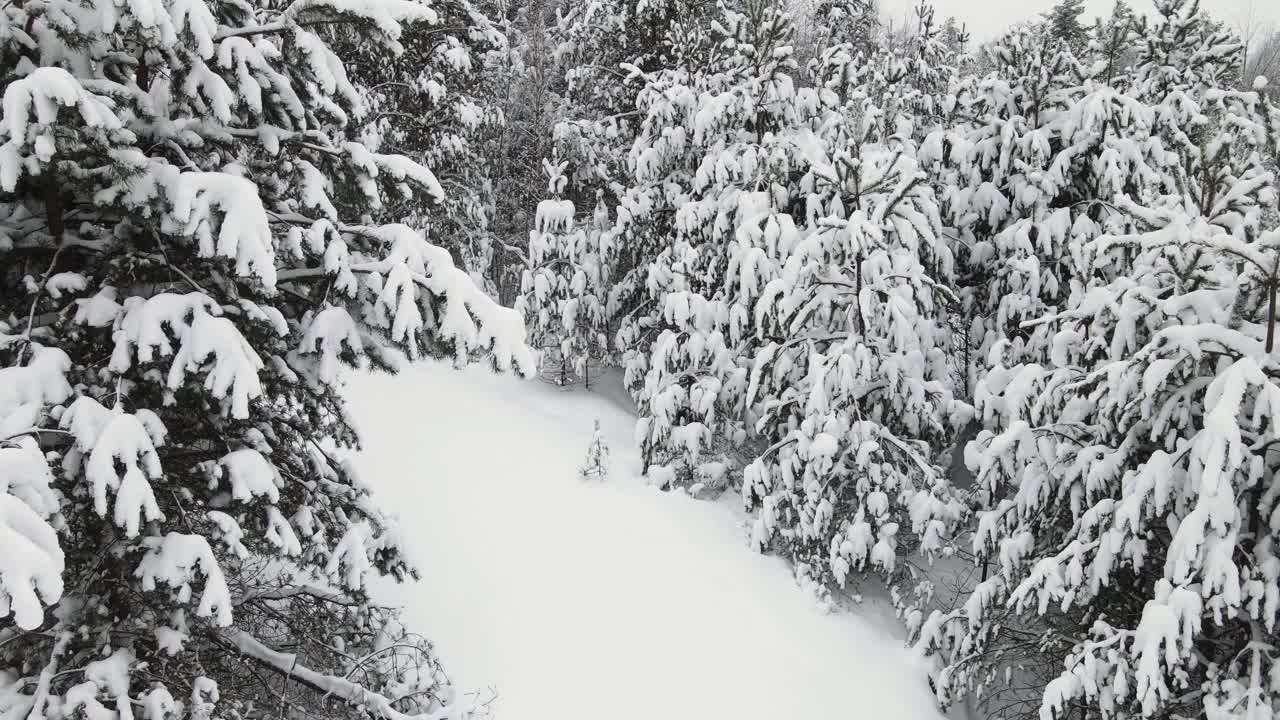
x=185, y=271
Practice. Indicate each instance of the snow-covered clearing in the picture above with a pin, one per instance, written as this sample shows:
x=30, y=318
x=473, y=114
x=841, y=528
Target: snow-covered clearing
x=599, y=602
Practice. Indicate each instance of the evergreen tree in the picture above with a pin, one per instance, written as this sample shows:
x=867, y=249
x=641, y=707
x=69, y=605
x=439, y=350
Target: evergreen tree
x=439, y=111
x=606, y=49
x=596, y=465
x=527, y=89
x=724, y=174
x=956, y=38
x=1009, y=205
x=1063, y=21
x=183, y=279
x=1130, y=512
x=891, y=90
x=598, y=42
x=1114, y=43
x=562, y=285
x=849, y=22
x=851, y=374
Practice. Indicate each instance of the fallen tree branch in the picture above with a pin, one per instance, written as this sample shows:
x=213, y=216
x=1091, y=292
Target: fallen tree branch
x=357, y=695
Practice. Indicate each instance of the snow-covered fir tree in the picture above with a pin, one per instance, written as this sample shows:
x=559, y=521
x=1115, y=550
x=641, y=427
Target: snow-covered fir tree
x=899, y=90
x=1130, y=523
x=562, y=287
x=851, y=22
x=187, y=265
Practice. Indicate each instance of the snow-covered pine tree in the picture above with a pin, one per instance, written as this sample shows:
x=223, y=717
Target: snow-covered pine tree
x=606, y=49
x=852, y=372
x=912, y=82
x=561, y=288
x=1132, y=527
x=597, y=40
x=855, y=23
x=999, y=194
x=527, y=92
x=596, y=465
x=721, y=158
x=1104, y=151
x=183, y=279
x=591, y=293
x=1063, y=21
x=955, y=37
x=1113, y=43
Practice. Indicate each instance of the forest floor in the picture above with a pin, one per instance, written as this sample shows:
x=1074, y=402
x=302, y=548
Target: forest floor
x=608, y=600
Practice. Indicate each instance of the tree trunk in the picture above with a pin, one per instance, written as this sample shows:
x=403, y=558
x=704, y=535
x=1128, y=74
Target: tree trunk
x=857, y=278
x=53, y=207
x=1271, y=306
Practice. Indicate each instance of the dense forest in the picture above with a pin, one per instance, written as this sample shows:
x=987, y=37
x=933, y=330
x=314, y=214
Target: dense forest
x=987, y=329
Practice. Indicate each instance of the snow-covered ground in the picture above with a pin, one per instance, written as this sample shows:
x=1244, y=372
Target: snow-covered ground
x=599, y=601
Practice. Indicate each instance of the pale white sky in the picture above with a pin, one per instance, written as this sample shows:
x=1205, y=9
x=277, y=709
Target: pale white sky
x=987, y=18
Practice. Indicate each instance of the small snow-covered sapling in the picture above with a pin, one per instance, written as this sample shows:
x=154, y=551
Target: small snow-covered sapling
x=596, y=465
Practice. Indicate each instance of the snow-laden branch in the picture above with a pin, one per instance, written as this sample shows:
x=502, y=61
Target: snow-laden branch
x=472, y=319
x=357, y=695
x=294, y=591
x=386, y=15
